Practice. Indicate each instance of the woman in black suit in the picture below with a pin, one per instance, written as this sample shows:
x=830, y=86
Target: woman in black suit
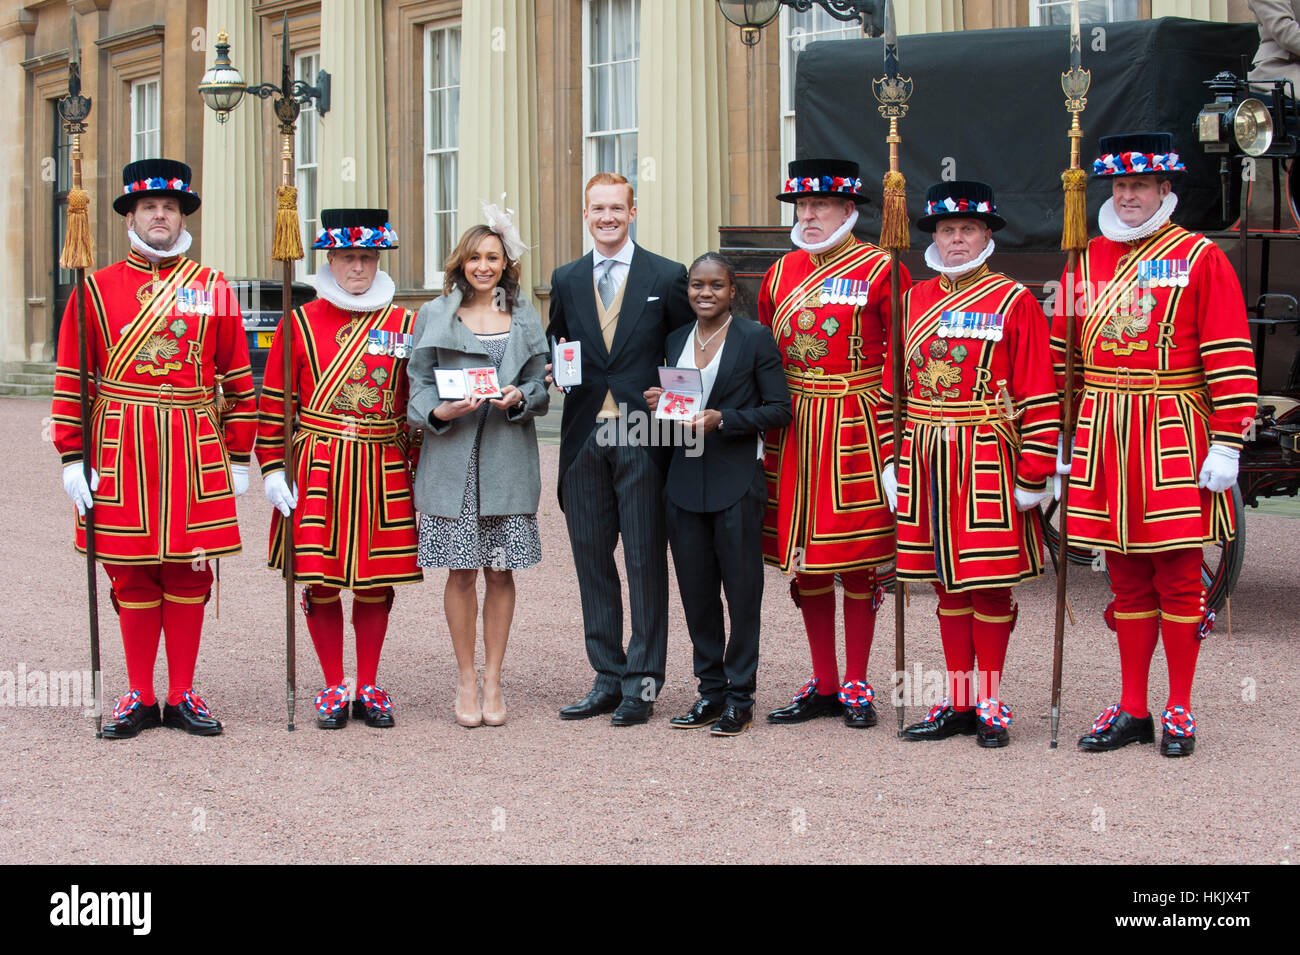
x=716, y=491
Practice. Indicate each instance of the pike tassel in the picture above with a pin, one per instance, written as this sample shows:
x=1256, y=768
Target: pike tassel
x=894, y=234
x=1074, y=233
x=78, y=252
x=286, y=241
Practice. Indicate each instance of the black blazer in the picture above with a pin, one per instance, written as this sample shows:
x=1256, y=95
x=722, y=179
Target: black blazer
x=752, y=395
x=654, y=303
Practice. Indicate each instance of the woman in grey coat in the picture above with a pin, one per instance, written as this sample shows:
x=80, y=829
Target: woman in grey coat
x=478, y=481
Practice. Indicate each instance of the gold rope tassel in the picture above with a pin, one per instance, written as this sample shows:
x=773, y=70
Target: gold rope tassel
x=78, y=252
x=1074, y=233
x=894, y=234
x=286, y=241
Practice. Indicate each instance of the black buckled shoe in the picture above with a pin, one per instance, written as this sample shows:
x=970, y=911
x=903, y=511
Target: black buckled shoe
x=859, y=711
x=807, y=704
x=941, y=722
x=991, y=737
x=593, y=704
x=703, y=713
x=733, y=721
x=378, y=707
x=332, y=707
x=130, y=716
x=1116, y=728
x=632, y=712
x=191, y=714
x=1179, y=732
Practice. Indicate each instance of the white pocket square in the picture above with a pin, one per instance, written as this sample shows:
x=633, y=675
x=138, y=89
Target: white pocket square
x=653, y=298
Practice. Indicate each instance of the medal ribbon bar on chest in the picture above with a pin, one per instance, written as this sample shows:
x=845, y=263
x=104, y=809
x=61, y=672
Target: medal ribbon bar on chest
x=983, y=325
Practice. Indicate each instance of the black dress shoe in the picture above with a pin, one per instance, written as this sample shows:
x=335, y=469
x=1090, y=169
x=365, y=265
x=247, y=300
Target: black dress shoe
x=703, y=713
x=860, y=717
x=593, y=704
x=942, y=722
x=1171, y=745
x=807, y=706
x=991, y=737
x=332, y=707
x=130, y=719
x=377, y=707
x=632, y=712
x=1113, y=730
x=192, y=716
x=733, y=721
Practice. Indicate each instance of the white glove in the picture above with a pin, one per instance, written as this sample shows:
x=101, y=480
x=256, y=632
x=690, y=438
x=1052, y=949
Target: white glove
x=239, y=475
x=1219, y=469
x=1061, y=466
x=74, y=482
x=889, y=481
x=1027, y=499
x=278, y=493
x=1056, y=487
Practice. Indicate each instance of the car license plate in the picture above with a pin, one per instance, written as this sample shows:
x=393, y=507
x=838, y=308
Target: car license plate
x=264, y=339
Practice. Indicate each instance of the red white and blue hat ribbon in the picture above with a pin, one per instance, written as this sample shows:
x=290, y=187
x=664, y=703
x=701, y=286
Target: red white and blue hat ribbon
x=949, y=204
x=1135, y=163
x=845, y=184
x=148, y=185
x=357, y=237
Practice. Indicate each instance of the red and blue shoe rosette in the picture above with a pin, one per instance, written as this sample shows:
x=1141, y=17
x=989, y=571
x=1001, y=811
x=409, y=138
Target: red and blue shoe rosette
x=332, y=699
x=1177, y=721
x=994, y=713
x=856, y=693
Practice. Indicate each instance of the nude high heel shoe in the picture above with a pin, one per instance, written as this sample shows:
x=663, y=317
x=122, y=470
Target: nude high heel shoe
x=496, y=718
x=472, y=717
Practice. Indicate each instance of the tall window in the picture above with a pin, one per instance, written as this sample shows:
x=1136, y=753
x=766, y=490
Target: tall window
x=306, y=168
x=797, y=31
x=441, y=147
x=63, y=278
x=1057, y=12
x=611, y=51
x=146, y=122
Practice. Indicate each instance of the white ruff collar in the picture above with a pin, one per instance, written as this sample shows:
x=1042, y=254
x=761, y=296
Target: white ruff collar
x=183, y=242
x=1115, y=230
x=933, y=261
x=379, y=295
x=836, y=237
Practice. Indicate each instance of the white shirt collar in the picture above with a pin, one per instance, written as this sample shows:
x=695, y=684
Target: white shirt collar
x=623, y=255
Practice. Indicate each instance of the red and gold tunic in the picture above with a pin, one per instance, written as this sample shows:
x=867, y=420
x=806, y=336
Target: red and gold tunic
x=982, y=418
x=1165, y=365
x=158, y=339
x=826, y=510
x=354, y=526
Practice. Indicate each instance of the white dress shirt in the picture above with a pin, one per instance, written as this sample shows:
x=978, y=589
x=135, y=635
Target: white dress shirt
x=622, y=260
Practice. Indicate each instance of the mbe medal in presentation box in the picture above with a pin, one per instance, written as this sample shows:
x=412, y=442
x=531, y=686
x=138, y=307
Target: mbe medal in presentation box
x=683, y=394
x=566, y=364
x=457, y=383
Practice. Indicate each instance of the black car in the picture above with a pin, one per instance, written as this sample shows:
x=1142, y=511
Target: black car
x=260, y=303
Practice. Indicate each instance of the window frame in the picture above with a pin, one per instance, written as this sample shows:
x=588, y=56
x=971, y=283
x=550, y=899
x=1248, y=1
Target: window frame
x=590, y=137
x=434, y=256
x=148, y=132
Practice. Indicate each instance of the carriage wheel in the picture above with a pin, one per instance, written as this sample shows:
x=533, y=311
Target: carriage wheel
x=1221, y=563
x=1052, y=537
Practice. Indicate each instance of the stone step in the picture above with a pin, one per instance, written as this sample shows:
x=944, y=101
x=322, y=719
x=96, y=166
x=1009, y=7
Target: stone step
x=24, y=378
x=37, y=367
x=23, y=391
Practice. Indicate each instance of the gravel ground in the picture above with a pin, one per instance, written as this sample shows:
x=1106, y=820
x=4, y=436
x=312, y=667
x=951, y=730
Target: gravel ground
x=542, y=790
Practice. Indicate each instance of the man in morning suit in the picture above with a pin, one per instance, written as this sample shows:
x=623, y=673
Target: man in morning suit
x=620, y=301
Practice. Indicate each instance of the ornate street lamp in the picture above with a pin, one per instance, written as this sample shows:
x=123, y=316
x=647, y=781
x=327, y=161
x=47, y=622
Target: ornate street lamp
x=222, y=89
x=752, y=15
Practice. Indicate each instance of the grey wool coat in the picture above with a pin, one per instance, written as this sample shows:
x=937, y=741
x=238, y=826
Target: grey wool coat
x=508, y=472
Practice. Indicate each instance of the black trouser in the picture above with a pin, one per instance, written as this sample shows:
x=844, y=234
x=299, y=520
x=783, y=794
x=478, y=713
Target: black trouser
x=720, y=551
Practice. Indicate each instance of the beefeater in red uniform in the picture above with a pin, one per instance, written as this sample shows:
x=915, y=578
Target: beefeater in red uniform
x=827, y=304
x=979, y=452
x=354, y=528
x=172, y=425
x=1168, y=393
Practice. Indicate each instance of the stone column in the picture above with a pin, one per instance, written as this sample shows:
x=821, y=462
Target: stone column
x=498, y=120
x=682, y=188
x=234, y=221
x=17, y=25
x=353, y=169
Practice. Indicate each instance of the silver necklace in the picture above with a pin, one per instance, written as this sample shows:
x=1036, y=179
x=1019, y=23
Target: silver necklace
x=705, y=343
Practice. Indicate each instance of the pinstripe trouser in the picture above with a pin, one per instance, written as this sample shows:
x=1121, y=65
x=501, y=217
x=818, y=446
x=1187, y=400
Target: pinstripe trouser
x=610, y=490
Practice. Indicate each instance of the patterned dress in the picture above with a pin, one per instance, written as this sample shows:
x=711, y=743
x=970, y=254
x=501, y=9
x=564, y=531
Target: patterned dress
x=471, y=541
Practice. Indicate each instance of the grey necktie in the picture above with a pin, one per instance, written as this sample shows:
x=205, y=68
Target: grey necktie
x=605, y=284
